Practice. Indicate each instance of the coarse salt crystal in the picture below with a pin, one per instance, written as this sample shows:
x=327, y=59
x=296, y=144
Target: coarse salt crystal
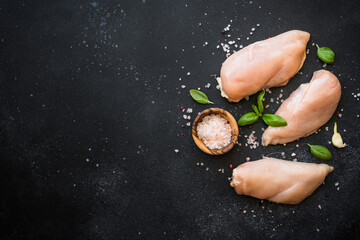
x=214, y=131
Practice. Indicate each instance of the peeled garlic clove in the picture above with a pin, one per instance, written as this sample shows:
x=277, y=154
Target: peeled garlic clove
x=336, y=138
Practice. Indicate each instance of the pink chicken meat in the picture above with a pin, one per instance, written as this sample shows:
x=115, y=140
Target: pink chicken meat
x=264, y=64
x=309, y=107
x=279, y=181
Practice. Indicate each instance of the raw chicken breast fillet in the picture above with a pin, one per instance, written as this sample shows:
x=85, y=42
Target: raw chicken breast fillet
x=309, y=107
x=278, y=180
x=264, y=64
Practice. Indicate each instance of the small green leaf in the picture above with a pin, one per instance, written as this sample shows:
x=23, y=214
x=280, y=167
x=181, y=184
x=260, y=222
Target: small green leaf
x=248, y=118
x=259, y=101
x=320, y=152
x=274, y=120
x=256, y=110
x=200, y=97
x=325, y=54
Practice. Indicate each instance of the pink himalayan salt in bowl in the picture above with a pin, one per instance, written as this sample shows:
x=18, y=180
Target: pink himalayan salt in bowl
x=216, y=136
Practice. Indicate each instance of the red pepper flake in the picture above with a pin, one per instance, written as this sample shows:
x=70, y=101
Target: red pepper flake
x=230, y=165
x=255, y=138
x=181, y=107
x=182, y=134
x=337, y=113
x=269, y=37
x=249, y=126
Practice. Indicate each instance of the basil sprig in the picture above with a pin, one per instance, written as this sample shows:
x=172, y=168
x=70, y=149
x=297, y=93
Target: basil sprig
x=320, y=152
x=325, y=54
x=252, y=117
x=200, y=97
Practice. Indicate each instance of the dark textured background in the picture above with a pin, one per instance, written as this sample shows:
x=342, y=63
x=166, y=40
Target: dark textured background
x=90, y=119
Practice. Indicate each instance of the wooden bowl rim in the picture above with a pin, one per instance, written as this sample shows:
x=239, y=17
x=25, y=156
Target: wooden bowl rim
x=234, y=131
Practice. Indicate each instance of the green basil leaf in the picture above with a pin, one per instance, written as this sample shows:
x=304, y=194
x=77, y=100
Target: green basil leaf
x=256, y=110
x=325, y=54
x=274, y=120
x=200, y=97
x=259, y=101
x=248, y=118
x=320, y=152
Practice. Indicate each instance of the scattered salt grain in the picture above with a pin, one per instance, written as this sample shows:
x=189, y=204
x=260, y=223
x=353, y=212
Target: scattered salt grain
x=176, y=150
x=251, y=141
x=188, y=73
x=207, y=85
x=183, y=86
x=214, y=131
x=293, y=154
x=189, y=110
x=319, y=206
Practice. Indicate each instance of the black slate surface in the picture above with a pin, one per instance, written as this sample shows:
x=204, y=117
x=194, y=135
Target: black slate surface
x=90, y=118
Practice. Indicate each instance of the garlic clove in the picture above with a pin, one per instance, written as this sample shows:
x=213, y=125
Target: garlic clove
x=336, y=138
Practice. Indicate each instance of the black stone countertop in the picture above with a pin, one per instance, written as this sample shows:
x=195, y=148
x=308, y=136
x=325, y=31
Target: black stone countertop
x=90, y=97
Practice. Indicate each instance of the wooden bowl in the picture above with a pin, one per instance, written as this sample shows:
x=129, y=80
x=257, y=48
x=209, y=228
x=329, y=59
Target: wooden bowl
x=234, y=131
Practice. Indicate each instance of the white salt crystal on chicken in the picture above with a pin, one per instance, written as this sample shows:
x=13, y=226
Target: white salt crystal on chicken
x=278, y=180
x=214, y=131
